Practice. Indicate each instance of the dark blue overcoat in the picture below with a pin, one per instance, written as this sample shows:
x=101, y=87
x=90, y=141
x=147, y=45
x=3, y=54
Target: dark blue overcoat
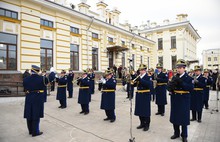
x=34, y=101
x=160, y=90
x=84, y=94
x=207, y=88
x=61, y=88
x=142, y=100
x=108, y=98
x=197, y=96
x=70, y=81
x=180, y=103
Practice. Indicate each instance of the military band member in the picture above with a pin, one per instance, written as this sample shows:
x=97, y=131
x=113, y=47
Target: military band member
x=197, y=96
x=92, y=77
x=161, y=94
x=207, y=88
x=44, y=73
x=180, y=87
x=143, y=98
x=70, y=83
x=34, y=100
x=152, y=90
x=52, y=84
x=130, y=88
x=84, y=93
x=108, y=96
x=61, y=89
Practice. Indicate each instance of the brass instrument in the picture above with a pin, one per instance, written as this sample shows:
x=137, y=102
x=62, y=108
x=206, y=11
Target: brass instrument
x=74, y=81
x=134, y=80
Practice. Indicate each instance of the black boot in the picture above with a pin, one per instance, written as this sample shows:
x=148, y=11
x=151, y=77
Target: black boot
x=174, y=137
x=184, y=139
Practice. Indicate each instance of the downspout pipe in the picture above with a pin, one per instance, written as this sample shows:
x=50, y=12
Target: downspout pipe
x=87, y=39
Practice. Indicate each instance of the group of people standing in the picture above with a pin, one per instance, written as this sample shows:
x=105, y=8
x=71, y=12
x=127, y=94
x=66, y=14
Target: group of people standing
x=187, y=93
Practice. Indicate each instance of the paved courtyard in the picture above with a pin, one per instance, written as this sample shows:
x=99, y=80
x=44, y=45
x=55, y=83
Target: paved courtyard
x=67, y=125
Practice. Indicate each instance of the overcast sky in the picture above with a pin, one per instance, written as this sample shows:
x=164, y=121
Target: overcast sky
x=203, y=15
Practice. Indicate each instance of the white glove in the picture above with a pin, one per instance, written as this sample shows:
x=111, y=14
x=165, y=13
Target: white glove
x=56, y=76
x=103, y=81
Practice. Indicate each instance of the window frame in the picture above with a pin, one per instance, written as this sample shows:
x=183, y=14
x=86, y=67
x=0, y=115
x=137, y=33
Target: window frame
x=46, y=55
x=44, y=20
x=7, y=52
x=71, y=51
x=173, y=42
x=95, y=35
x=97, y=54
x=75, y=29
x=160, y=43
x=7, y=10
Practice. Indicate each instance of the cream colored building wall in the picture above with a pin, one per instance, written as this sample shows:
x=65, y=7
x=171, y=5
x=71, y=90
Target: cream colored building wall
x=30, y=33
x=212, y=53
x=185, y=46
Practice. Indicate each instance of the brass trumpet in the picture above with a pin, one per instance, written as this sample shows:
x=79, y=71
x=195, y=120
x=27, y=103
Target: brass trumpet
x=134, y=80
x=74, y=81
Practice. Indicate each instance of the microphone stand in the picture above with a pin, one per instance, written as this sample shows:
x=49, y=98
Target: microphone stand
x=132, y=139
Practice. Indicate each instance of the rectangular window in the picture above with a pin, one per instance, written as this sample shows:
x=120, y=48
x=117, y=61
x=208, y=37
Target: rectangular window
x=141, y=47
x=141, y=59
x=74, y=30
x=123, y=59
x=160, y=60
x=95, y=58
x=46, y=53
x=8, y=13
x=209, y=58
x=160, y=44
x=95, y=35
x=132, y=45
x=173, y=62
x=46, y=23
x=122, y=42
x=74, y=57
x=173, y=42
x=133, y=56
x=110, y=39
x=215, y=58
x=8, y=51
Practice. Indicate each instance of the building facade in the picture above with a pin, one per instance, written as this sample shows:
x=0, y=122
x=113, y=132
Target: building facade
x=49, y=34
x=174, y=40
x=211, y=59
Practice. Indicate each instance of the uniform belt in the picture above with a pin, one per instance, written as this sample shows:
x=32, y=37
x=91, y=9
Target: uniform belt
x=84, y=87
x=110, y=90
x=35, y=91
x=198, y=89
x=60, y=86
x=208, y=86
x=142, y=91
x=181, y=92
x=161, y=84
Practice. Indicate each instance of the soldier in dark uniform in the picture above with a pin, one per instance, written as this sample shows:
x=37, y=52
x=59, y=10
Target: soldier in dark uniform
x=92, y=78
x=207, y=88
x=61, y=89
x=152, y=90
x=143, y=98
x=130, y=88
x=108, y=96
x=84, y=93
x=161, y=94
x=70, y=83
x=34, y=100
x=180, y=87
x=197, y=96
x=44, y=73
x=52, y=84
